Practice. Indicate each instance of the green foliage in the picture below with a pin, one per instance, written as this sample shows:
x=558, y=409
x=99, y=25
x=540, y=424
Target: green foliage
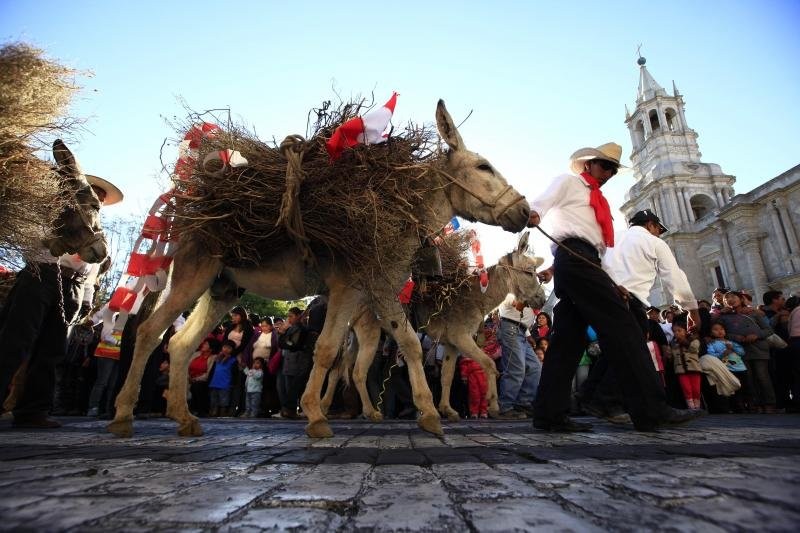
x=265, y=307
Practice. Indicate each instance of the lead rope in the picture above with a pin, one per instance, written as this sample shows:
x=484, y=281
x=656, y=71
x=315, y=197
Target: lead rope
x=578, y=256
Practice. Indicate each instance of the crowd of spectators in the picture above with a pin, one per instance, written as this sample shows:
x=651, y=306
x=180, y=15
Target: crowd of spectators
x=251, y=366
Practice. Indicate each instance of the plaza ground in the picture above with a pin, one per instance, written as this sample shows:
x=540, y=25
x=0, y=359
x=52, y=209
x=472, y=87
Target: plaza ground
x=720, y=473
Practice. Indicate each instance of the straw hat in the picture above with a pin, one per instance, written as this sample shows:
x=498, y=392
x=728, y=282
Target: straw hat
x=609, y=152
x=113, y=194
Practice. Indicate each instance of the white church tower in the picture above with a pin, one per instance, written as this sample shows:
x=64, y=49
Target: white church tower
x=670, y=178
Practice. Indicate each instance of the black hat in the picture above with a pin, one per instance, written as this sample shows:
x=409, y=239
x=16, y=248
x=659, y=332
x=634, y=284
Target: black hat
x=647, y=216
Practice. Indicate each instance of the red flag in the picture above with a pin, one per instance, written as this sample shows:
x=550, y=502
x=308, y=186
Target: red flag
x=368, y=129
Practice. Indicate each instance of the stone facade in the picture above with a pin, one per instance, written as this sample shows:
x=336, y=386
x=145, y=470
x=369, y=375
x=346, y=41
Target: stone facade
x=747, y=241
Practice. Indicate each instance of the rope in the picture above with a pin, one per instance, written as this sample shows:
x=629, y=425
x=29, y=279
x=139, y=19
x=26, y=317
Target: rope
x=575, y=254
x=383, y=385
x=293, y=148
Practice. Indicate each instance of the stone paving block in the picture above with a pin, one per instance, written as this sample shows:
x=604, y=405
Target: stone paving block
x=325, y=482
x=741, y=514
x=659, y=486
x=285, y=519
x=209, y=503
x=544, y=475
x=401, y=457
x=524, y=514
x=66, y=512
x=405, y=498
x=623, y=513
x=754, y=489
x=352, y=455
x=481, y=482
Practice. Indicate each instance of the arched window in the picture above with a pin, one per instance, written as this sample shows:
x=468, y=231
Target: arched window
x=672, y=119
x=702, y=205
x=638, y=134
x=655, y=125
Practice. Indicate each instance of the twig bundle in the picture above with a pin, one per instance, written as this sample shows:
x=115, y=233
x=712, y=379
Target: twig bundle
x=35, y=93
x=353, y=210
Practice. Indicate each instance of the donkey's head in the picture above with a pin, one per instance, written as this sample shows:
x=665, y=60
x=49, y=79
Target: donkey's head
x=523, y=282
x=476, y=189
x=77, y=228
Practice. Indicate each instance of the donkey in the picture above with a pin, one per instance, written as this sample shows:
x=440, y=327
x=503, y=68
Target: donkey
x=466, y=184
x=453, y=327
x=77, y=228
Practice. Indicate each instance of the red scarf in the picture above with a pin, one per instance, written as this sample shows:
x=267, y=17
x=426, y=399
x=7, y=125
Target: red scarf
x=602, y=211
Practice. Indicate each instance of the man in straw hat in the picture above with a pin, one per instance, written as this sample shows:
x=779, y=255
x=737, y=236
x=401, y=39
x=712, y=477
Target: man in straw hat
x=33, y=327
x=635, y=261
x=587, y=296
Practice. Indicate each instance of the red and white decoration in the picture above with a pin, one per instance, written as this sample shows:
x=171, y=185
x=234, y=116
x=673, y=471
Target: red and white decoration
x=152, y=253
x=477, y=256
x=369, y=129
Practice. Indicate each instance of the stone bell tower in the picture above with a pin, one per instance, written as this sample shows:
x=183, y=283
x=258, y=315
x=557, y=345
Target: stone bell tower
x=669, y=176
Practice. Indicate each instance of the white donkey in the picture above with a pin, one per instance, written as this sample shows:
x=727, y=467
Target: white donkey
x=463, y=184
x=453, y=326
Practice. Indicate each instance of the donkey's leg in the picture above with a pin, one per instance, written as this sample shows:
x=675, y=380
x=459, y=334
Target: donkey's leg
x=368, y=333
x=205, y=315
x=466, y=345
x=332, y=381
x=342, y=301
x=190, y=277
x=394, y=321
x=448, y=372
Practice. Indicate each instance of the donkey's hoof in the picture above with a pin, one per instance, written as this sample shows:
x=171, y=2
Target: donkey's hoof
x=121, y=428
x=319, y=430
x=192, y=428
x=431, y=423
x=494, y=412
x=375, y=416
x=452, y=416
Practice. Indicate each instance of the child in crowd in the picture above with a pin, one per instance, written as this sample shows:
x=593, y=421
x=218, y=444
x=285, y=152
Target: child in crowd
x=686, y=358
x=221, y=382
x=731, y=354
x=477, y=386
x=540, y=354
x=254, y=386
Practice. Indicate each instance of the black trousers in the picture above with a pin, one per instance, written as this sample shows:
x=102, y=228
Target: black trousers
x=35, y=330
x=588, y=296
x=602, y=387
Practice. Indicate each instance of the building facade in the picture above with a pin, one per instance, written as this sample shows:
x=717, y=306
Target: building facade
x=720, y=238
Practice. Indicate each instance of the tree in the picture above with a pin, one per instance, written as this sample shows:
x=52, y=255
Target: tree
x=266, y=307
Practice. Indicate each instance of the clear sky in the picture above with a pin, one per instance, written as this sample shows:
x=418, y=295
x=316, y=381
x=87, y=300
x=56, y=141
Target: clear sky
x=541, y=78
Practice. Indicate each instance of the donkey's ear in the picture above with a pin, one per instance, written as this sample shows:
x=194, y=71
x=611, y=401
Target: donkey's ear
x=522, y=245
x=538, y=261
x=67, y=164
x=447, y=129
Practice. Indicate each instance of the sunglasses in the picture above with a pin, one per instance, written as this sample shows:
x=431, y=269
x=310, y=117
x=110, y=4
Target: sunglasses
x=607, y=165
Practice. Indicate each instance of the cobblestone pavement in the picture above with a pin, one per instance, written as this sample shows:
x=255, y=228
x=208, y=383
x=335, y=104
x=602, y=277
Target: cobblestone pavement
x=721, y=473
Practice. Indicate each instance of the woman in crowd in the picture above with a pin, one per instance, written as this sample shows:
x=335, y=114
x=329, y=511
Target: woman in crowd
x=264, y=345
x=199, y=369
x=240, y=332
x=542, y=327
x=750, y=328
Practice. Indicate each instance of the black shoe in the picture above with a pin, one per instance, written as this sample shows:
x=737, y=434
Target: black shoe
x=35, y=422
x=593, y=409
x=671, y=416
x=563, y=425
x=527, y=410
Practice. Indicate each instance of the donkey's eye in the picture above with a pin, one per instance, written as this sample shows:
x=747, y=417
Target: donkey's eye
x=486, y=167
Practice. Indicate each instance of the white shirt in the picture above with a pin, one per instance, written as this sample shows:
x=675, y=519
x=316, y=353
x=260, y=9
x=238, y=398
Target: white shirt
x=638, y=258
x=566, y=203
x=262, y=346
x=507, y=310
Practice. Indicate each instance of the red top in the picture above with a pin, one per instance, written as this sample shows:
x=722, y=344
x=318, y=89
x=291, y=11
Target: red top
x=198, y=366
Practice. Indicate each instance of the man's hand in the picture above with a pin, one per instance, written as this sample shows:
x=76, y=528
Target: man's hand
x=545, y=275
x=534, y=219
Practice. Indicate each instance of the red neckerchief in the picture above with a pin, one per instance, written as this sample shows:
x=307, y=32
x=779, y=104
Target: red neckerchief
x=602, y=211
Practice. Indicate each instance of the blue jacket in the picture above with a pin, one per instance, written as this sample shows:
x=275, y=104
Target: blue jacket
x=717, y=349
x=222, y=373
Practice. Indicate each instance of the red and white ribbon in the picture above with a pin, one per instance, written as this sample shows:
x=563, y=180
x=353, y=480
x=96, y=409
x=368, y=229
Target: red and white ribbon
x=150, y=259
x=477, y=255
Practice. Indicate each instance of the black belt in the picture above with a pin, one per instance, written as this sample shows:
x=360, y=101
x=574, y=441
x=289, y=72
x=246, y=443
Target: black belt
x=516, y=323
x=582, y=247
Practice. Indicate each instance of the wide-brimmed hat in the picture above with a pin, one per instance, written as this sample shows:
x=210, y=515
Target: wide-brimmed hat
x=647, y=215
x=113, y=194
x=608, y=152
